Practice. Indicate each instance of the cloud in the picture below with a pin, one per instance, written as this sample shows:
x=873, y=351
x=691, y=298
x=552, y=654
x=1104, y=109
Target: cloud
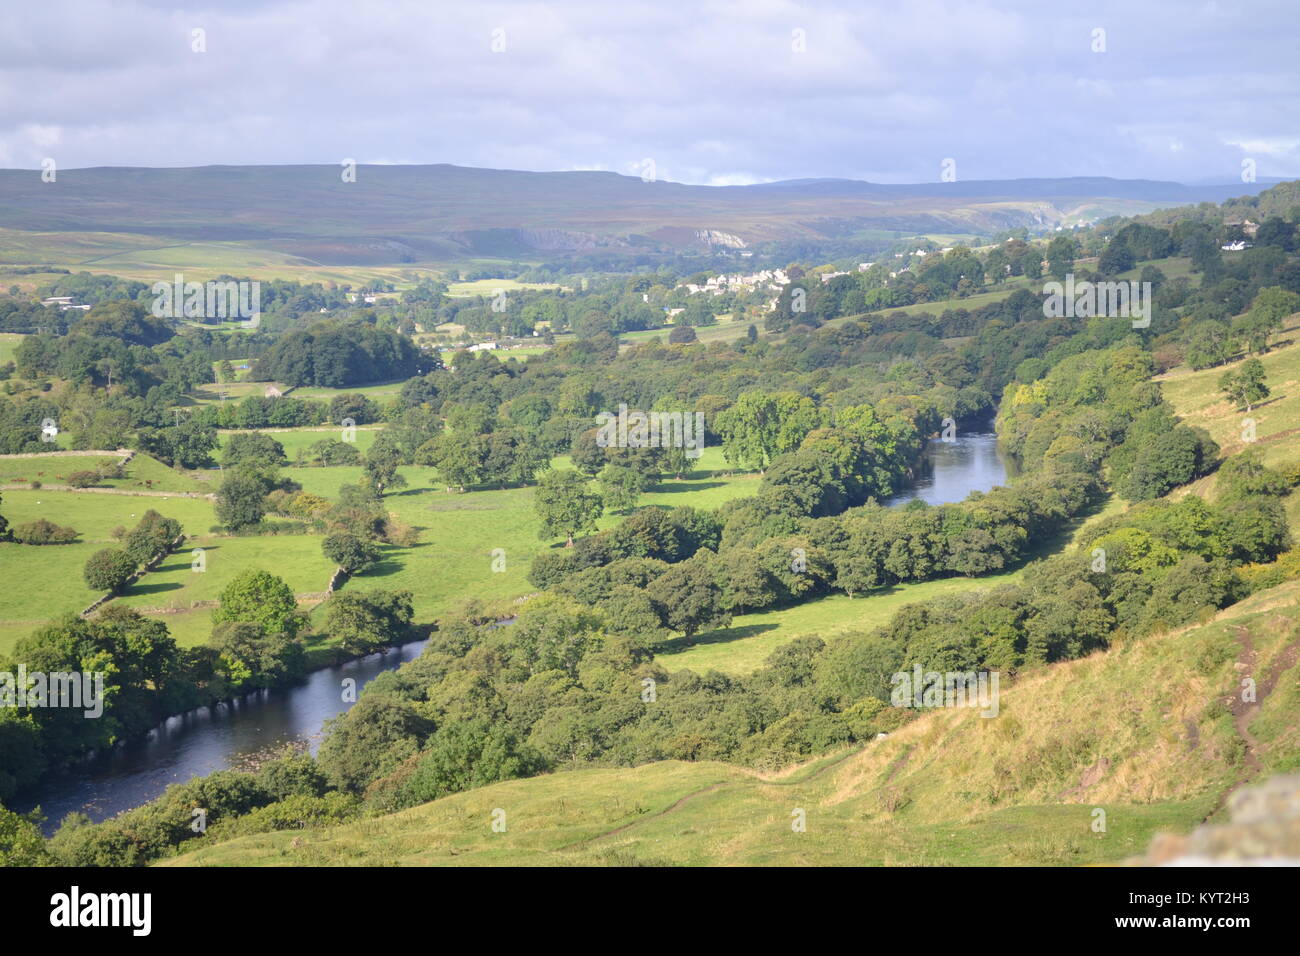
x=718, y=91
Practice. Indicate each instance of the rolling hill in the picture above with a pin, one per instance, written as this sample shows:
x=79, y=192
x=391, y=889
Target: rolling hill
x=409, y=214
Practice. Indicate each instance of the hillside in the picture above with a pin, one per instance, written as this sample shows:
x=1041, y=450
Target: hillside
x=408, y=214
x=1151, y=732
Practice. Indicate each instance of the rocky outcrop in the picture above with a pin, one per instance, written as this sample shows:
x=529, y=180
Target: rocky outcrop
x=1263, y=830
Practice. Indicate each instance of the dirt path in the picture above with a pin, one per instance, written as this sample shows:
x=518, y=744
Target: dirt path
x=676, y=805
x=1244, y=712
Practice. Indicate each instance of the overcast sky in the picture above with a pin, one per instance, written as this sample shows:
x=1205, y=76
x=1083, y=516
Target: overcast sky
x=712, y=92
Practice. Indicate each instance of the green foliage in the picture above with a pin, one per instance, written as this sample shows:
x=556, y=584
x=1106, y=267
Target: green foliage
x=465, y=755
x=260, y=598
x=565, y=506
x=1246, y=385
x=21, y=843
x=108, y=569
x=253, y=449
x=351, y=552
x=371, y=739
x=241, y=499
x=248, y=657
x=620, y=487
x=41, y=531
x=366, y=621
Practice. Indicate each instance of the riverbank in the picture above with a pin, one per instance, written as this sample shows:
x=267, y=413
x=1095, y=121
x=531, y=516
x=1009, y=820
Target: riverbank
x=224, y=735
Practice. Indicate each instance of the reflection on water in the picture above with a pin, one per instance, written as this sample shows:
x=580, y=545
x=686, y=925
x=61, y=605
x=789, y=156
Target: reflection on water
x=951, y=470
x=210, y=738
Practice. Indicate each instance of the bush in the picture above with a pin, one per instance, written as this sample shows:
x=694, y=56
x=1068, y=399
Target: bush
x=108, y=570
x=350, y=552
x=152, y=536
x=41, y=531
x=83, y=479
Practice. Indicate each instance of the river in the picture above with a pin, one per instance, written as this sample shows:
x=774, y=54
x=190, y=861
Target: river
x=951, y=470
x=216, y=738
x=211, y=738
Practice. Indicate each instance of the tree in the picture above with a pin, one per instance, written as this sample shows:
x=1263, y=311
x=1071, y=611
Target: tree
x=1268, y=313
x=586, y=454
x=687, y=596
x=620, y=487
x=253, y=449
x=187, y=445
x=366, y=621
x=1208, y=343
x=382, y=461
x=108, y=570
x=21, y=843
x=259, y=597
x=1245, y=386
x=83, y=479
x=331, y=452
x=249, y=657
x=376, y=734
x=5, y=533
x=241, y=499
x=565, y=505
x=468, y=754
x=455, y=458
x=1061, y=253
x=350, y=552
x=683, y=335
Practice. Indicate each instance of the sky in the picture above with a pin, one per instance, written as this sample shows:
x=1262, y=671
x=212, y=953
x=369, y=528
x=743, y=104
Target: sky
x=717, y=93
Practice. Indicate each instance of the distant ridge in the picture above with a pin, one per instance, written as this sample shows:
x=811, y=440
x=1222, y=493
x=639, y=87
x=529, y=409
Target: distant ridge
x=413, y=213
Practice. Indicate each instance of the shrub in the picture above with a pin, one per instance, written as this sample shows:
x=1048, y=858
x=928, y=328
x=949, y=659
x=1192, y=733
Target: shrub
x=350, y=552
x=41, y=531
x=83, y=479
x=108, y=570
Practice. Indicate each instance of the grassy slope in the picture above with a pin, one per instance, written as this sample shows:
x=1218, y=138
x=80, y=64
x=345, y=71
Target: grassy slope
x=1199, y=402
x=1138, y=731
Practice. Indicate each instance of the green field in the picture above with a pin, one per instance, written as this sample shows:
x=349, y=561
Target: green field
x=460, y=531
x=294, y=439
x=489, y=287
x=746, y=644
x=53, y=572
x=379, y=391
x=8, y=346
x=171, y=591
x=452, y=561
x=143, y=473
